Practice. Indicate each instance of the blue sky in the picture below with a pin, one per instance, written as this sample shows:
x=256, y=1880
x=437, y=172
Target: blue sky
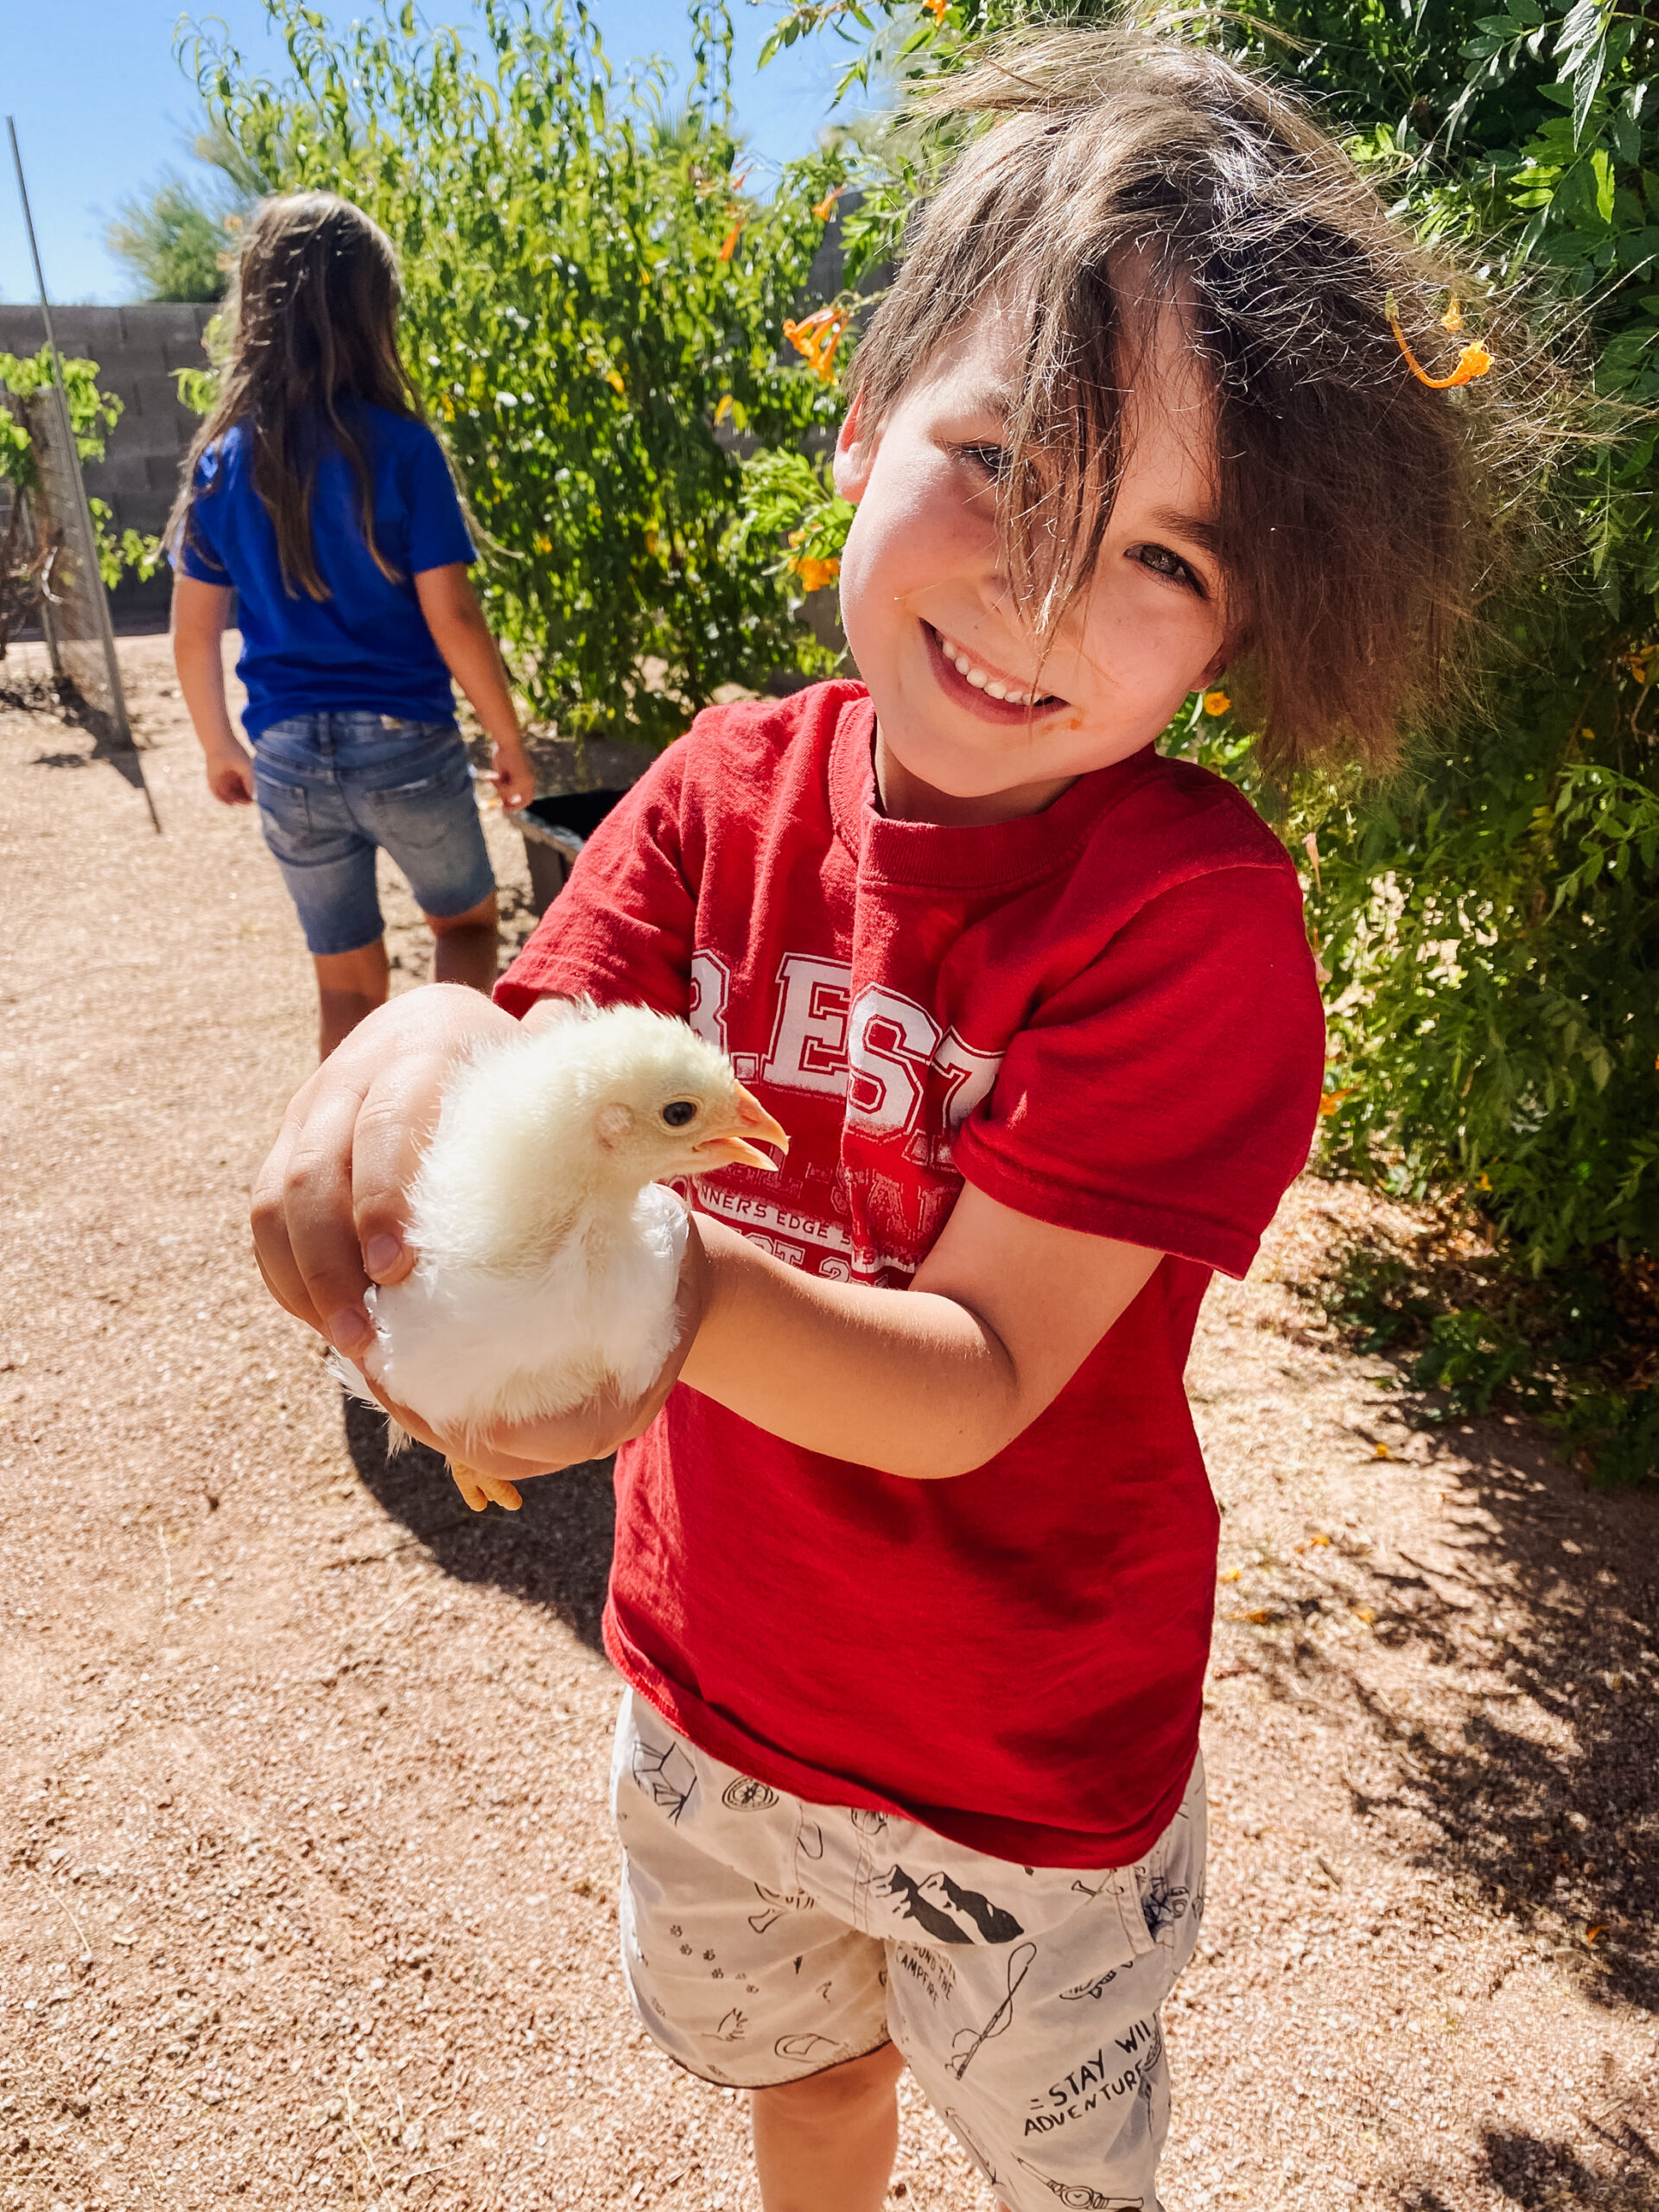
x=102, y=108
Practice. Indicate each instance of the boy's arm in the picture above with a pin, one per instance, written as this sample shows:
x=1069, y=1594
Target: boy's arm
x=200, y=613
x=462, y=637
x=925, y=1382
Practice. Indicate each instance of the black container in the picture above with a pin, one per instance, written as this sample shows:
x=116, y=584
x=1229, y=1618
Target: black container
x=555, y=831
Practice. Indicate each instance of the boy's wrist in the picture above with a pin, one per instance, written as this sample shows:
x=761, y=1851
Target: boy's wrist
x=713, y=1249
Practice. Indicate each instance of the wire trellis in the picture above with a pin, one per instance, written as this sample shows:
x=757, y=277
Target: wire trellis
x=74, y=609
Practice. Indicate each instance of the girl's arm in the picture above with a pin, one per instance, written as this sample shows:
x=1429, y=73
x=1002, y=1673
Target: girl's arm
x=200, y=613
x=463, y=636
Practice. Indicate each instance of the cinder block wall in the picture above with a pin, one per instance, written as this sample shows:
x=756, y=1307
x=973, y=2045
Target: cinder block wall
x=136, y=349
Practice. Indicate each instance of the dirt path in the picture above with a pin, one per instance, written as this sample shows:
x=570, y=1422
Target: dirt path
x=308, y=1893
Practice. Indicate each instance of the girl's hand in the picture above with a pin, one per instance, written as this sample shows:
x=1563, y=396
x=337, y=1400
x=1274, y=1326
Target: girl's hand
x=229, y=777
x=512, y=775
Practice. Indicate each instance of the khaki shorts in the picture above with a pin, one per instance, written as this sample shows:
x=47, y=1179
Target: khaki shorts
x=765, y=1939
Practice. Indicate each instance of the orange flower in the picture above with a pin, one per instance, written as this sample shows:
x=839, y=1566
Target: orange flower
x=936, y=9
x=816, y=337
x=1331, y=1099
x=1215, y=702
x=1474, y=361
x=728, y=245
x=815, y=575
x=823, y=207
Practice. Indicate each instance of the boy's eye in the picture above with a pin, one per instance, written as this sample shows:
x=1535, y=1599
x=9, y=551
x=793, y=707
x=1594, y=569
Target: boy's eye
x=990, y=460
x=1163, y=563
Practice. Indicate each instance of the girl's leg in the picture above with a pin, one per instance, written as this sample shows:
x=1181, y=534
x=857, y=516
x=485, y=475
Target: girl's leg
x=464, y=946
x=350, y=985
x=828, y=2143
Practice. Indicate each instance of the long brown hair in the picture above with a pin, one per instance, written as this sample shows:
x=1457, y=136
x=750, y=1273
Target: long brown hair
x=1363, y=518
x=315, y=326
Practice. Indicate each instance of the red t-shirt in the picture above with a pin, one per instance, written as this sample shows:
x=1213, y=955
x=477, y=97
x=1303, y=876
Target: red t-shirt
x=1105, y=1016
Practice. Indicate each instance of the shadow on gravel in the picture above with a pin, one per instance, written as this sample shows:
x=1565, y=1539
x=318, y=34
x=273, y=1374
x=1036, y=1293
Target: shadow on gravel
x=60, y=698
x=555, y=1552
x=1559, y=1597
x=1529, y=2170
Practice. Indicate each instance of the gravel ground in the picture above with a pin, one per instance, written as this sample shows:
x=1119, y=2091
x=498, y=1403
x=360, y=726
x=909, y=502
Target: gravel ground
x=309, y=1895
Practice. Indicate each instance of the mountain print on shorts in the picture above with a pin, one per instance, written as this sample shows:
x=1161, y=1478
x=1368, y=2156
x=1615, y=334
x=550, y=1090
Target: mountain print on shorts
x=945, y=1909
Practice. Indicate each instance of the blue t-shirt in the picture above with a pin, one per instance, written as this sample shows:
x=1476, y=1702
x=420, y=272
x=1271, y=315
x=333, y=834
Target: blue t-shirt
x=367, y=645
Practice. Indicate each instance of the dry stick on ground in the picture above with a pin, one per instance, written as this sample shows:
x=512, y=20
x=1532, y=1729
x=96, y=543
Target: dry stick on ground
x=49, y=1893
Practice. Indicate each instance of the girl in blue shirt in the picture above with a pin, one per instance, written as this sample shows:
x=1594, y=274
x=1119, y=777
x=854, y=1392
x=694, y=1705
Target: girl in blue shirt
x=317, y=502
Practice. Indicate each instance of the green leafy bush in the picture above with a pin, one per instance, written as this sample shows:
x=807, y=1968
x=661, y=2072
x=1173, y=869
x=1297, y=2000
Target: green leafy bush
x=175, y=247
x=590, y=296
x=30, y=546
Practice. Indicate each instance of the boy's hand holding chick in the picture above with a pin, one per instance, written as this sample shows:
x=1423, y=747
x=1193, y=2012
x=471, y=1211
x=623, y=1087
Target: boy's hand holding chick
x=550, y=1305
x=393, y=1074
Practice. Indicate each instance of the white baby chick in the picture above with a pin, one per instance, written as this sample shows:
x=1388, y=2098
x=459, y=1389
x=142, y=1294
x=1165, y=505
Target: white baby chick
x=547, y=1251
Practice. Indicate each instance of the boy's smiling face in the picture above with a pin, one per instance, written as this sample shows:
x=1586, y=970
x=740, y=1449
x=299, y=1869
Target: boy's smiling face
x=931, y=616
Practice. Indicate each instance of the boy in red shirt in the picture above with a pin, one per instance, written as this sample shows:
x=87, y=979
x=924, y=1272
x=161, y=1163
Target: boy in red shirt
x=915, y=1550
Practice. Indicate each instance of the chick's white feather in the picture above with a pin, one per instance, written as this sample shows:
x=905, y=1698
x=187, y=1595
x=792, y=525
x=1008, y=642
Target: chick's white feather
x=547, y=1251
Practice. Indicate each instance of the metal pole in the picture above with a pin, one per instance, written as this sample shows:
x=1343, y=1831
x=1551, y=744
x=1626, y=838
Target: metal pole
x=123, y=727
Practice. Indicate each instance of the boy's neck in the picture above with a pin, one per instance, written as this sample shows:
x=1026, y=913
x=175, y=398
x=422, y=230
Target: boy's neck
x=905, y=797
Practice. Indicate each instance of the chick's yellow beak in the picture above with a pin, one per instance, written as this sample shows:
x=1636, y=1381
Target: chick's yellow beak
x=737, y=1140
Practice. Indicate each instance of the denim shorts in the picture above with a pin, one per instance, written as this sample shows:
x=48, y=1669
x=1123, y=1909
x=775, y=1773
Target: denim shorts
x=333, y=787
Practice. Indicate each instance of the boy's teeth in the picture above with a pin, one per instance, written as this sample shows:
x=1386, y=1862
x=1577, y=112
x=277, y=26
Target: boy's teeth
x=980, y=679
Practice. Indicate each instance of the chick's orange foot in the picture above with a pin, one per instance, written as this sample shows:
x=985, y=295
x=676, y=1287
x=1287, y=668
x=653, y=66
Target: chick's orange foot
x=481, y=1491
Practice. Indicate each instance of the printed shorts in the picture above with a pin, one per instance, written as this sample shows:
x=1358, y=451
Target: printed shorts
x=333, y=787
x=765, y=1939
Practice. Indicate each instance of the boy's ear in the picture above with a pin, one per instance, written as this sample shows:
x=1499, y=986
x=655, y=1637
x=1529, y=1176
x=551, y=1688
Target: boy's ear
x=855, y=455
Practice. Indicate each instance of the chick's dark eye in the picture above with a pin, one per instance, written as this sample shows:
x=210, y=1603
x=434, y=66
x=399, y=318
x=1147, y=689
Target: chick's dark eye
x=679, y=1113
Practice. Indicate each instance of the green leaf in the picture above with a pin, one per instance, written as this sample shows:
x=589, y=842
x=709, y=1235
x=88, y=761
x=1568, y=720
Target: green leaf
x=1602, y=168
x=1587, y=83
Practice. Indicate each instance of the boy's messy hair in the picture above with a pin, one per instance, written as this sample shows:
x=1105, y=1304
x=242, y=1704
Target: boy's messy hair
x=1360, y=514
x=314, y=325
